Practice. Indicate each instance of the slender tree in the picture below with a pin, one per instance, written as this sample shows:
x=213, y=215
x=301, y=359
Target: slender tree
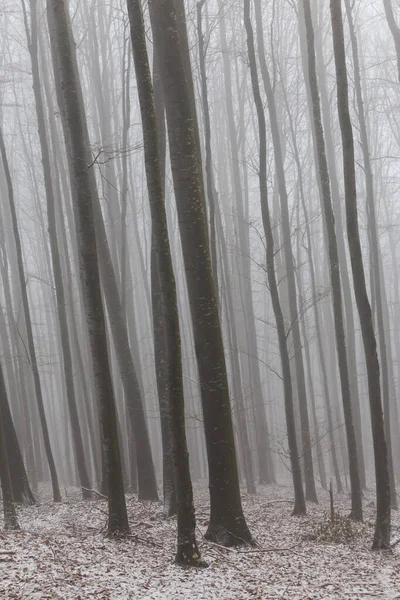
x=290, y=272
x=28, y=322
x=376, y=274
x=299, y=504
x=382, y=526
x=55, y=255
x=356, y=509
x=10, y=514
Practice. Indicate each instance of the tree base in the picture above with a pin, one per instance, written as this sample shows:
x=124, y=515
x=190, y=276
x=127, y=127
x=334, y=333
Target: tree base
x=11, y=523
x=312, y=497
x=189, y=557
x=380, y=545
x=299, y=511
x=145, y=496
x=356, y=515
x=223, y=537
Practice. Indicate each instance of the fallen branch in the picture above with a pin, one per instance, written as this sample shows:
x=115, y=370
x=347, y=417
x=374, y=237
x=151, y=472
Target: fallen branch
x=144, y=541
x=269, y=549
x=95, y=492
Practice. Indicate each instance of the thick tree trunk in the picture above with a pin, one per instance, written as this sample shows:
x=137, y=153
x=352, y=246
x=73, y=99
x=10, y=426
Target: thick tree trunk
x=77, y=143
x=187, y=550
x=227, y=523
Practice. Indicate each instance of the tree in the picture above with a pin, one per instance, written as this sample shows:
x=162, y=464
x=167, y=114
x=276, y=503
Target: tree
x=290, y=273
x=83, y=191
x=299, y=504
x=55, y=255
x=187, y=551
x=356, y=509
x=28, y=322
x=382, y=525
x=394, y=30
x=376, y=275
x=10, y=514
x=227, y=524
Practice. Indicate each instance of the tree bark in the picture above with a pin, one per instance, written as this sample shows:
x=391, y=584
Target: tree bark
x=382, y=526
x=55, y=257
x=299, y=504
x=77, y=144
x=187, y=551
x=28, y=322
x=227, y=524
x=356, y=507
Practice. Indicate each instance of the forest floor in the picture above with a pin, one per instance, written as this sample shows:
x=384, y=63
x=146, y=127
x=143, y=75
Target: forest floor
x=62, y=553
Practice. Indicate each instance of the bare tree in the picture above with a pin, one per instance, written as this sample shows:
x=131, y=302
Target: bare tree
x=227, y=524
x=299, y=504
x=382, y=526
x=82, y=182
x=187, y=552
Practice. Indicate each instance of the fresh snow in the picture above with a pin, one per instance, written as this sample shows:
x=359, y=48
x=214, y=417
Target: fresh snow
x=62, y=553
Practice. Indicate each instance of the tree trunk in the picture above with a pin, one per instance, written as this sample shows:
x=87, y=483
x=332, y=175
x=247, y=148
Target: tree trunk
x=187, y=551
x=382, y=527
x=299, y=505
x=56, y=261
x=227, y=524
x=28, y=322
x=356, y=507
x=10, y=514
x=291, y=281
x=77, y=144
x=377, y=277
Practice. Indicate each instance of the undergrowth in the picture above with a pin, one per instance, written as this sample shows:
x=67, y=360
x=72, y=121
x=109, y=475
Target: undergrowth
x=337, y=530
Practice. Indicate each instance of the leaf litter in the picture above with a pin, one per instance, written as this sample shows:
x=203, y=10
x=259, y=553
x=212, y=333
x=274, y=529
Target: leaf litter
x=62, y=553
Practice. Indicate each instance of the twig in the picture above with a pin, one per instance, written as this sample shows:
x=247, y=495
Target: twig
x=143, y=541
x=269, y=549
x=95, y=492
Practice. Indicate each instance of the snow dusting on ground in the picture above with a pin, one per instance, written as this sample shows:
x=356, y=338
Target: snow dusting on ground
x=62, y=554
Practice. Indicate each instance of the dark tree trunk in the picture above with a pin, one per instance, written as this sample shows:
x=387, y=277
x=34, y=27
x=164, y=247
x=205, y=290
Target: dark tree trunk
x=211, y=196
x=29, y=330
x=227, y=523
x=160, y=348
x=377, y=277
x=21, y=490
x=77, y=144
x=356, y=507
x=187, y=551
x=10, y=514
x=56, y=261
x=382, y=527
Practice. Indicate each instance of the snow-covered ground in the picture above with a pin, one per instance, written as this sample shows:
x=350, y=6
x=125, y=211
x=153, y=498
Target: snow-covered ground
x=62, y=553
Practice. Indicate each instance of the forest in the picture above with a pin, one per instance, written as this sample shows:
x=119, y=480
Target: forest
x=199, y=299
